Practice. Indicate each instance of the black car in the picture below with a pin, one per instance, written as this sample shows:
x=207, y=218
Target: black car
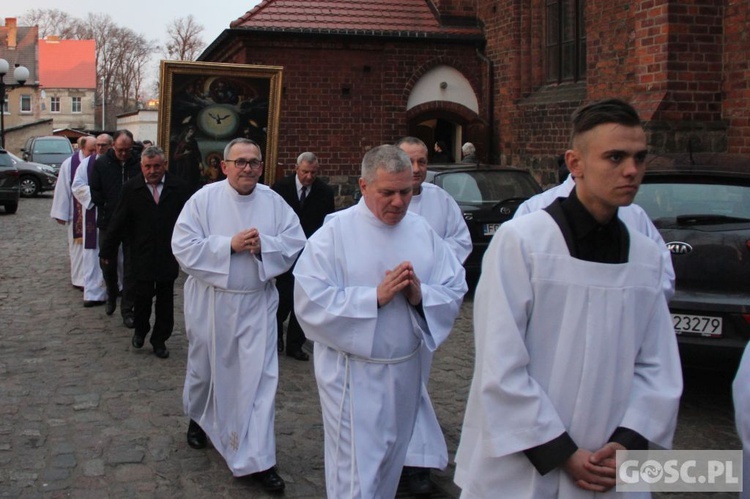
x=35, y=177
x=9, y=191
x=703, y=214
x=488, y=197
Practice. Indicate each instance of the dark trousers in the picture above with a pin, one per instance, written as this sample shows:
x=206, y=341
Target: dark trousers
x=164, y=310
x=109, y=272
x=295, y=337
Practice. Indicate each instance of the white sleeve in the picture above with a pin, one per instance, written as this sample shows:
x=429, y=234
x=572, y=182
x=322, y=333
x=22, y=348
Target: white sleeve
x=80, y=186
x=507, y=411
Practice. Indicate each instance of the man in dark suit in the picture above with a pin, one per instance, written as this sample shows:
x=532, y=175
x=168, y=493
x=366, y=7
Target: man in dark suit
x=311, y=199
x=110, y=172
x=145, y=217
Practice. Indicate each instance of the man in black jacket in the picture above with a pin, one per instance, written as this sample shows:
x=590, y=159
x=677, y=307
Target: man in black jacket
x=145, y=217
x=110, y=172
x=311, y=199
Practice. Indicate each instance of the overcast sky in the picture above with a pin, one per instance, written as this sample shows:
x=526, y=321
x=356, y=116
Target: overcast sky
x=147, y=17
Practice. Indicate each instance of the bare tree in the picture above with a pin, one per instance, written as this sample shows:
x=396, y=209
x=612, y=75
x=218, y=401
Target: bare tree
x=51, y=22
x=184, y=42
x=122, y=55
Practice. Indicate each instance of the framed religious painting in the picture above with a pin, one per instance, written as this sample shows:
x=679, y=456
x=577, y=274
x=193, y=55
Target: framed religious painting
x=205, y=105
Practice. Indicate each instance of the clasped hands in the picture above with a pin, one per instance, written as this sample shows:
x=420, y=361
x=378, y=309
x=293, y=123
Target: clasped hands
x=400, y=279
x=247, y=240
x=594, y=471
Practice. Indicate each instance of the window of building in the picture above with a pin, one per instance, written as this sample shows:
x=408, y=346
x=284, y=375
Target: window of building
x=26, y=103
x=566, y=40
x=54, y=104
x=75, y=104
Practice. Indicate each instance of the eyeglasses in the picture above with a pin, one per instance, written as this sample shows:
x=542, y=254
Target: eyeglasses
x=242, y=163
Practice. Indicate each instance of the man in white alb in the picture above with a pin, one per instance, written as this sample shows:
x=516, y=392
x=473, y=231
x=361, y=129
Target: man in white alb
x=94, y=287
x=373, y=284
x=576, y=356
x=67, y=211
x=233, y=238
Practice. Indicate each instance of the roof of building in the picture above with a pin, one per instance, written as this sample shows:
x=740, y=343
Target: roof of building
x=24, y=54
x=67, y=63
x=403, y=18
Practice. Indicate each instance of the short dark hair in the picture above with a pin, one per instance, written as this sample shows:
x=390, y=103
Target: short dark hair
x=119, y=133
x=600, y=112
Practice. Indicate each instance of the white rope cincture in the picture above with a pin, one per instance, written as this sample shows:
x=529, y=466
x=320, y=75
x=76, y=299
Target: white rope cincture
x=348, y=357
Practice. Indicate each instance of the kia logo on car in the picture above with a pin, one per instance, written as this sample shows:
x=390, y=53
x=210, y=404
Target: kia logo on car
x=505, y=210
x=679, y=248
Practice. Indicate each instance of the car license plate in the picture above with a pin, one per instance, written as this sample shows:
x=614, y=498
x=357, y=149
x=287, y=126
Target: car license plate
x=700, y=325
x=490, y=229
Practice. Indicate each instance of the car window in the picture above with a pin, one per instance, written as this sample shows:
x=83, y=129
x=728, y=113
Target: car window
x=5, y=160
x=486, y=187
x=670, y=200
x=52, y=147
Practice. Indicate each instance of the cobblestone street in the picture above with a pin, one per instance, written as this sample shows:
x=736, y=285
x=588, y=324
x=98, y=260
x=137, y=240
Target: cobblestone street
x=84, y=414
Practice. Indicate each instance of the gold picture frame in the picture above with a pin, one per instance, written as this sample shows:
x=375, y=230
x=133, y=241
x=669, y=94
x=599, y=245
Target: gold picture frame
x=204, y=105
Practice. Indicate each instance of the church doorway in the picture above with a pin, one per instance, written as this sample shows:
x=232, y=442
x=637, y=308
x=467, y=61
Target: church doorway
x=434, y=130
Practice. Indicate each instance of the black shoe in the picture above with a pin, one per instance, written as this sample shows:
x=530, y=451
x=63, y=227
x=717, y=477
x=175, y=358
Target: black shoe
x=93, y=303
x=280, y=344
x=161, y=352
x=128, y=321
x=418, y=480
x=196, y=437
x=111, y=307
x=269, y=480
x=137, y=340
x=299, y=355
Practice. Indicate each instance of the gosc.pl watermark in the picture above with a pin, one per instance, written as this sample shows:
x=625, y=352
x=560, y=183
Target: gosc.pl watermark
x=679, y=471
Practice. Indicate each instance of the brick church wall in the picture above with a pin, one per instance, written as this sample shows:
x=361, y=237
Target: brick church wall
x=683, y=63
x=342, y=97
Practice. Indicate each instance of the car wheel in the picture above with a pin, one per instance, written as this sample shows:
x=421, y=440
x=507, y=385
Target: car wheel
x=11, y=207
x=29, y=186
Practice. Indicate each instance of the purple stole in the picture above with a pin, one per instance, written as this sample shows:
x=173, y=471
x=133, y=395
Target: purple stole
x=75, y=161
x=79, y=223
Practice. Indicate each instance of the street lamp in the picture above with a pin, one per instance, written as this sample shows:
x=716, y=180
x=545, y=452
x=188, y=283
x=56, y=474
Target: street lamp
x=21, y=74
x=104, y=99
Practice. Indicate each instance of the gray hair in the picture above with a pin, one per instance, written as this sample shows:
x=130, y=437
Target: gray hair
x=388, y=158
x=412, y=141
x=468, y=148
x=307, y=157
x=106, y=137
x=242, y=140
x=152, y=152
